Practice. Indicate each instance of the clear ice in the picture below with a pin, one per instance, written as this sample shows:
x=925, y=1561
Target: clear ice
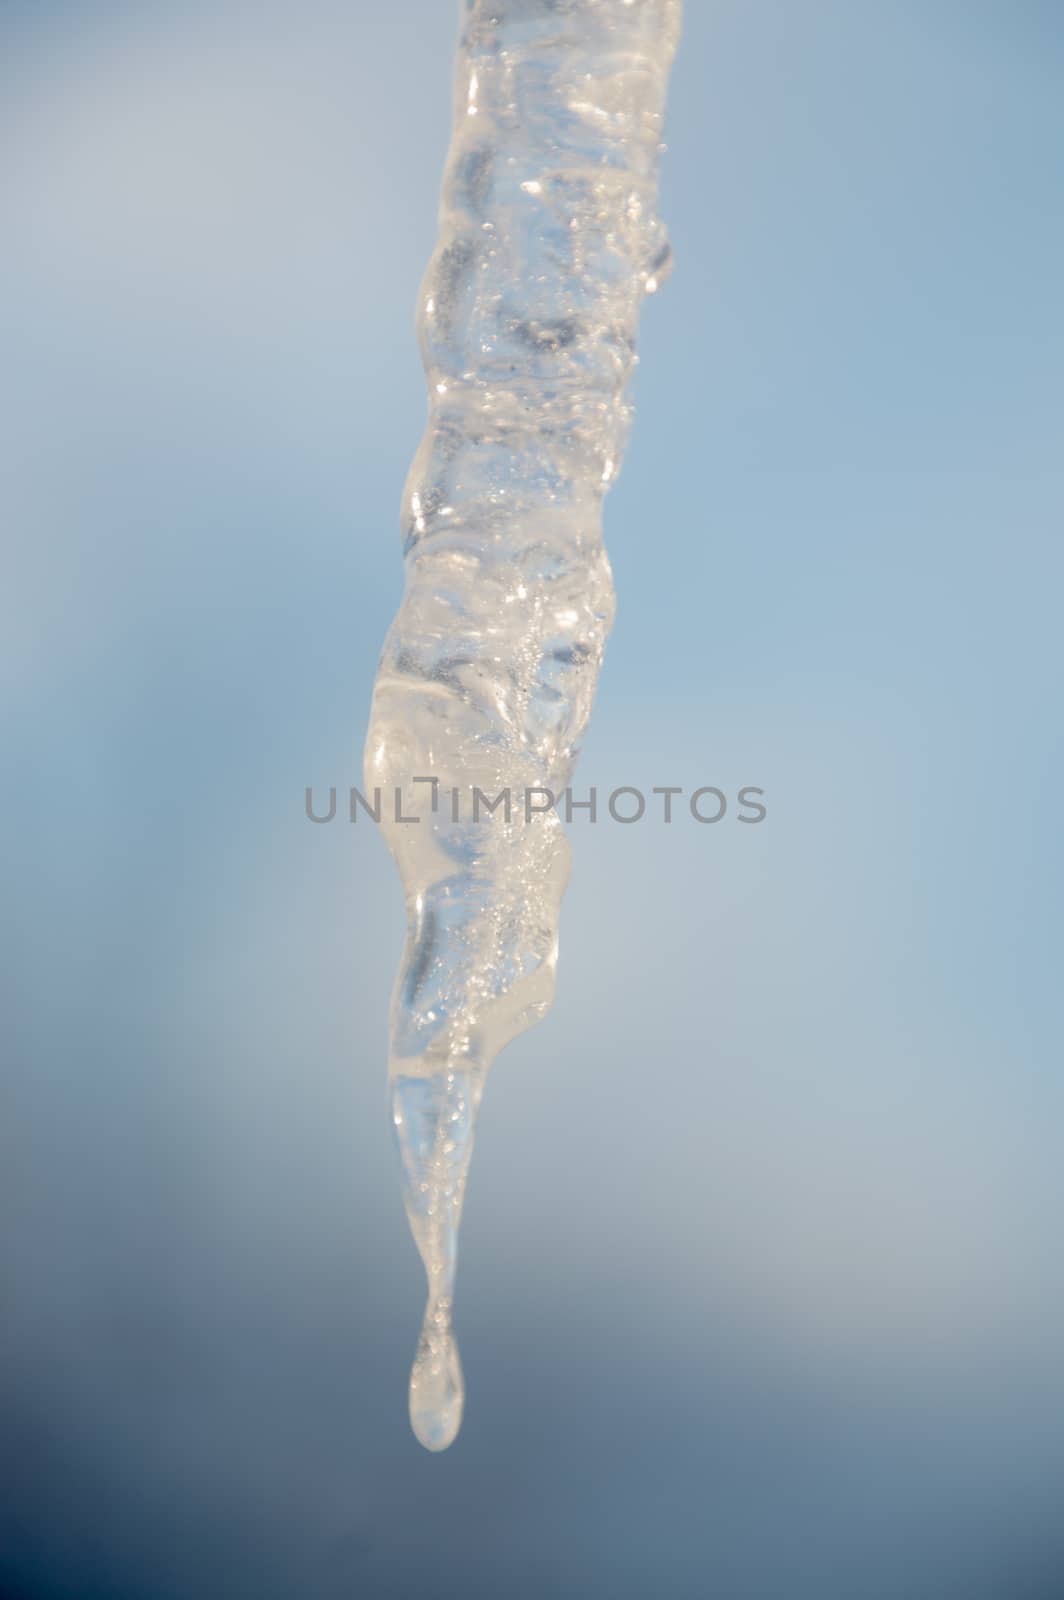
x=549, y=239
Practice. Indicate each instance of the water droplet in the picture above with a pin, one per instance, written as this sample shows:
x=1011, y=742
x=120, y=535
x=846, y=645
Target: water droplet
x=437, y=1390
x=434, y=1119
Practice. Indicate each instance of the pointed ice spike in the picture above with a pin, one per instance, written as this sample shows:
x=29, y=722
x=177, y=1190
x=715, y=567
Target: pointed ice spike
x=549, y=242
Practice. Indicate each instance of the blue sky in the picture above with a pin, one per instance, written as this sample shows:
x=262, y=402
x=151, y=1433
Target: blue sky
x=790, y=1306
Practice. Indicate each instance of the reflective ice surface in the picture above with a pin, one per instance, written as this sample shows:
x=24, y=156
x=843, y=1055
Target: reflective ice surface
x=549, y=239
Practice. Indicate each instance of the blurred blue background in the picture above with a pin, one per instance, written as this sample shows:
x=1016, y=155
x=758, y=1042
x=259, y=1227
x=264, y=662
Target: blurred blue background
x=761, y=1292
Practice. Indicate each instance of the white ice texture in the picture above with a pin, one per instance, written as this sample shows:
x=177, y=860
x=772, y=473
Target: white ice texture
x=549, y=239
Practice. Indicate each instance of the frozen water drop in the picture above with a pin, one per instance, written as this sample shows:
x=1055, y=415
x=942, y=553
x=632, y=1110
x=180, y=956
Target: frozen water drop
x=437, y=1392
x=434, y=1116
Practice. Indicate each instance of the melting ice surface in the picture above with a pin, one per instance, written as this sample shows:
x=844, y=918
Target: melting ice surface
x=549, y=240
x=434, y=1119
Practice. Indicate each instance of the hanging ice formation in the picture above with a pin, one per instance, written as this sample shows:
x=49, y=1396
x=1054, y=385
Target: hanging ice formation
x=549, y=239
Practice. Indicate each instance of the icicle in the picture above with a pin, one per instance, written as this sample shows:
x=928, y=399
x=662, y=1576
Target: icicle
x=549, y=239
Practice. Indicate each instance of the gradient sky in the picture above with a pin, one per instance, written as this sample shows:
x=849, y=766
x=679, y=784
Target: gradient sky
x=761, y=1293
